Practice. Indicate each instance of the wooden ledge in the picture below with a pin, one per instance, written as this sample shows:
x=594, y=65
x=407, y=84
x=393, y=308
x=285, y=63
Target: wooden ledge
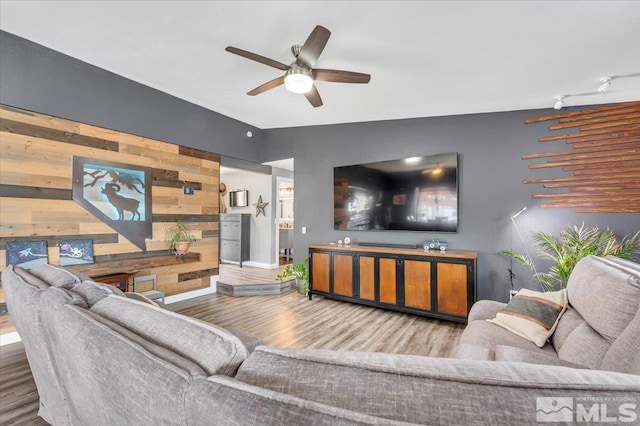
x=133, y=264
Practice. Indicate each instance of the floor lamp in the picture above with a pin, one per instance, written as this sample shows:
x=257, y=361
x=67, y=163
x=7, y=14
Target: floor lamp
x=512, y=292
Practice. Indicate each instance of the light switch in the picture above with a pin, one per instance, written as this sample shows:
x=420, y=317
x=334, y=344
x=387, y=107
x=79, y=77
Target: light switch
x=304, y=229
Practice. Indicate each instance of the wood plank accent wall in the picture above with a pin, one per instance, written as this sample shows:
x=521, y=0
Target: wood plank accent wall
x=603, y=160
x=36, y=153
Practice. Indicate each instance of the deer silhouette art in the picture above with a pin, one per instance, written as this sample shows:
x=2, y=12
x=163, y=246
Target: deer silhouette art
x=121, y=203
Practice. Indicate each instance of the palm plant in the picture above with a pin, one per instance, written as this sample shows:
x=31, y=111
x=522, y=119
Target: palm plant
x=573, y=244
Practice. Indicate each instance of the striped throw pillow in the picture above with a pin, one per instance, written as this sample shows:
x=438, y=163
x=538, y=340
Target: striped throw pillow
x=533, y=315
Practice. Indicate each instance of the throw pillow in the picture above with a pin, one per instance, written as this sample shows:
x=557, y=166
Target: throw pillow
x=533, y=315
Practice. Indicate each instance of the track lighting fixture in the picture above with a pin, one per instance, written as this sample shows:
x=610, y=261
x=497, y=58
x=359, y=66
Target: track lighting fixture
x=605, y=82
x=559, y=102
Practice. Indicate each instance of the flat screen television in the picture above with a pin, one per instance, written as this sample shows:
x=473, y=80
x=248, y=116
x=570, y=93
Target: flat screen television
x=411, y=194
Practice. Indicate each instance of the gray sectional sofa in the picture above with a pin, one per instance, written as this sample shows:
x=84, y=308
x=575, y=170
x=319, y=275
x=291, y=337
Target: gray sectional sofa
x=101, y=358
x=600, y=328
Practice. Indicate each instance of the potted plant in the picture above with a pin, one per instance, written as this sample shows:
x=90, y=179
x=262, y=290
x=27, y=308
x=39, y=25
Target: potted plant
x=178, y=238
x=573, y=244
x=301, y=274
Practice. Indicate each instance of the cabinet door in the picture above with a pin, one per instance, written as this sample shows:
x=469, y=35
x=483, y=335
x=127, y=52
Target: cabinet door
x=452, y=289
x=417, y=284
x=387, y=270
x=230, y=250
x=320, y=272
x=343, y=274
x=367, y=278
x=230, y=230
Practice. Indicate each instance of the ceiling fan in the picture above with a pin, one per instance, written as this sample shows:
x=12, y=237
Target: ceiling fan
x=300, y=74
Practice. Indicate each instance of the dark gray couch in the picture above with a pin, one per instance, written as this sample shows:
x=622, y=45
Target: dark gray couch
x=102, y=359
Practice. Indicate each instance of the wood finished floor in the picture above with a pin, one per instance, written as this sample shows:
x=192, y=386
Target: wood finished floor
x=287, y=321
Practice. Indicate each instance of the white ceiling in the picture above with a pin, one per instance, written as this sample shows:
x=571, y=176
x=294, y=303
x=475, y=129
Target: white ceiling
x=426, y=58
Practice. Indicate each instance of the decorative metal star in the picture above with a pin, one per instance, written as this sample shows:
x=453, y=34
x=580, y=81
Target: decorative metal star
x=260, y=206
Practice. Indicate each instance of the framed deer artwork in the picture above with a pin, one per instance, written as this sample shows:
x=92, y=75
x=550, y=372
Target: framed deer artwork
x=118, y=194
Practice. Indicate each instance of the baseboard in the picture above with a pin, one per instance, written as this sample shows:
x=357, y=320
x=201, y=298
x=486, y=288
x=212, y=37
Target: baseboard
x=9, y=338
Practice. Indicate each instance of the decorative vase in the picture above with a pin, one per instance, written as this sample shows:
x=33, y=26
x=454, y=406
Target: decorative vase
x=181, y=248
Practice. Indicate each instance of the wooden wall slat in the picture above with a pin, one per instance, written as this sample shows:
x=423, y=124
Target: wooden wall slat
x=19, y=191
x=598, y=115
x=634, y=113
x=604, y=158
x=198, y=153
x=579, y=134
x=56, y=135
x=36, y=153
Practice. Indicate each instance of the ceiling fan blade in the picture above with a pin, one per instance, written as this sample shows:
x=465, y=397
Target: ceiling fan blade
x=313, y=47
x=314, y=97
x=337, y=76
x=267, y=86
x=257, y=58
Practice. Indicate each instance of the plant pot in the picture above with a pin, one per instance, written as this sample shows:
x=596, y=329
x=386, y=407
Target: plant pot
x=181, y=248
x=302, y=286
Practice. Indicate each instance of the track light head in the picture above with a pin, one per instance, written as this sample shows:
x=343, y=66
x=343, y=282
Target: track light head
x=559, y=102
x=605, y=82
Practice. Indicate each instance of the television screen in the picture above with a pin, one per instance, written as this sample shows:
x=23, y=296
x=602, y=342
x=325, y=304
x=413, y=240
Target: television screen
x=412, y=194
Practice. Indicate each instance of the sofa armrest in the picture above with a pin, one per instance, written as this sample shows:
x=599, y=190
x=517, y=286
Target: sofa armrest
x=485, y=309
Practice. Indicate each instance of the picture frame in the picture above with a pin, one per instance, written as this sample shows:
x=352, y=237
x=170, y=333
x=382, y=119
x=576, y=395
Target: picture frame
x=76, y=252
x=27, y=254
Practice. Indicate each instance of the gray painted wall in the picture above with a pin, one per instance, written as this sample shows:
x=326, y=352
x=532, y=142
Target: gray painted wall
x=491, y=171
x=39, y=79
x=491, y=189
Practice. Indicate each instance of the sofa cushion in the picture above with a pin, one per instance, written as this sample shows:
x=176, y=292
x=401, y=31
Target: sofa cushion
x=93, y=292
x=509, y=353
x=30, y=279
x=164, y=354
x=56, y=276
x=533, y=315
x=568, y=322
x=584, y=346
x=214, y=349
x=488, y=335
x=624, y=353
x=467, y=351
x=606, y=294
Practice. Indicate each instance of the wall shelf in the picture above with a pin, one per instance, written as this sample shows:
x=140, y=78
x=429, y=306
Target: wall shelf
x=132, y=265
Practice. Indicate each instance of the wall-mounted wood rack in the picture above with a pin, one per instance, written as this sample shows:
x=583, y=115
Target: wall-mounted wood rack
x=604, y=159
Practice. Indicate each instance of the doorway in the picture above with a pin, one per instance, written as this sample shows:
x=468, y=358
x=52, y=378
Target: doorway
x=284, y=221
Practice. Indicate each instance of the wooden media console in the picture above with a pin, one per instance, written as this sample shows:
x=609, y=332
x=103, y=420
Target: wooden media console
x=430, y=283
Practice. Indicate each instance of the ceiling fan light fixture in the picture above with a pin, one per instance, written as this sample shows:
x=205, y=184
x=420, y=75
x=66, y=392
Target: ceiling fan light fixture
x=298, y=80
